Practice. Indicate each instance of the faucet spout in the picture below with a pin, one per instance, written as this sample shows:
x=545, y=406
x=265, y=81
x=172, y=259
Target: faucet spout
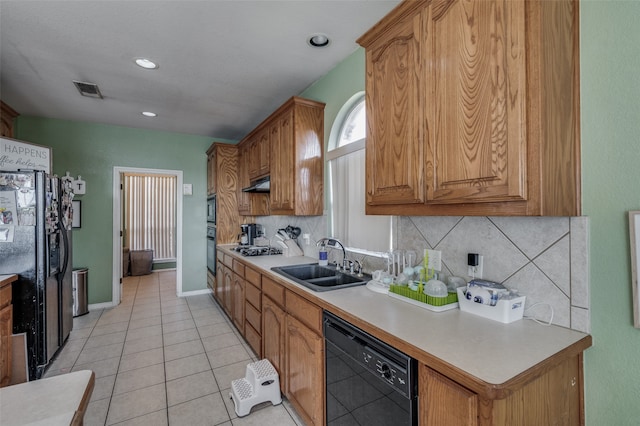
x=334, y=243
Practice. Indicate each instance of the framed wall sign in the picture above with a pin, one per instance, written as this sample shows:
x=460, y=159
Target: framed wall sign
x=634, y=233
x=15, y=155
x=77, y=214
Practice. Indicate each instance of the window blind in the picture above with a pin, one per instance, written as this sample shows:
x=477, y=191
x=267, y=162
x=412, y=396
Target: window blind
x=150, y=214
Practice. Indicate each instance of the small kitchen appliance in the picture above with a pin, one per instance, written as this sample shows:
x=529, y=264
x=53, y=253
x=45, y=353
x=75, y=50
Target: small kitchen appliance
x=249, y=232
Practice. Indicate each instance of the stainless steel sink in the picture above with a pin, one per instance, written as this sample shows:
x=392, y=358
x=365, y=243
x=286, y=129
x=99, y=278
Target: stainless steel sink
x=320, y=278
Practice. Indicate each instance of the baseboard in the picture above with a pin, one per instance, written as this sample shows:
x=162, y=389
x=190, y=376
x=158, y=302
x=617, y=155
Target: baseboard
x=103, y=305
x=195, y=292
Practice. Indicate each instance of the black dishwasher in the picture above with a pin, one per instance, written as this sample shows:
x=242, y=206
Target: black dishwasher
x=368, y=381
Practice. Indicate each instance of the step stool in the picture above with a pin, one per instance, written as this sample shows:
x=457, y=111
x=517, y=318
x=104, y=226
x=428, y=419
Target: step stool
x=260, y=384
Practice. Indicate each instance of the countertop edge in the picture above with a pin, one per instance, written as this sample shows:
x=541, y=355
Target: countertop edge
x=483, y=388
x=7, y=279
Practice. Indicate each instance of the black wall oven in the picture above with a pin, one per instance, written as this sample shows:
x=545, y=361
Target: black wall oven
x=211, y=248
x=211, y=209
x=211, y=234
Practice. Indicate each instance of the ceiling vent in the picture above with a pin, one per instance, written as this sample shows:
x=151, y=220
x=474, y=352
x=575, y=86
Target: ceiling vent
x=88, y=89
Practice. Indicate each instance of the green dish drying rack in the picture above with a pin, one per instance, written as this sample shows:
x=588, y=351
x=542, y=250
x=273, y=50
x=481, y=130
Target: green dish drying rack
x=418, y=298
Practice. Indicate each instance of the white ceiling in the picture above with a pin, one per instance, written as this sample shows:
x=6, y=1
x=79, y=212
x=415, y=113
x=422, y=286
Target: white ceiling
x=224, y=65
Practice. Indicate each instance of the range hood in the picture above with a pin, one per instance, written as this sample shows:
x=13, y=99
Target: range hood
x=259, y=185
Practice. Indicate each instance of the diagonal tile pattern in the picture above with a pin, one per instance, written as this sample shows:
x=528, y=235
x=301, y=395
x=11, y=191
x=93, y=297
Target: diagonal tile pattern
x=162, y=360
x=545, y=258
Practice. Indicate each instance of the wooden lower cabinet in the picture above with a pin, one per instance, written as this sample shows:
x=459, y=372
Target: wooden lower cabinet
x=227, y=284
x=305, y=371
x=6, y=329
x=553, y=398
x=237, y=302
x=292, y=341
x=273, y=337
x=444, y=402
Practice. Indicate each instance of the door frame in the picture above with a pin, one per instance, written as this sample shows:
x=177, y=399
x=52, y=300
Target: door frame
x=117, y=226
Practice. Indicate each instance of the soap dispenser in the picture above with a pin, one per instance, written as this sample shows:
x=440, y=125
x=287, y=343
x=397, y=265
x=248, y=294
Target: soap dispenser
x=323, y=259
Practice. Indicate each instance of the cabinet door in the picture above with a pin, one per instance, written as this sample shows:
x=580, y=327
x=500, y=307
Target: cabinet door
x=211, y=173
x=282, y=154
x=226, y=290
x=6, y=329
x=273, y=336
x=444, y=402
x=243, y=179
x=237, y=302
x=395, y=123
x=219, y=284
x=264, y=153
x=476, y=111
x=259, y=154
x=305, y=371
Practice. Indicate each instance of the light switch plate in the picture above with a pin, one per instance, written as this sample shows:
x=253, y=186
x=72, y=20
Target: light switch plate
x=187, y=189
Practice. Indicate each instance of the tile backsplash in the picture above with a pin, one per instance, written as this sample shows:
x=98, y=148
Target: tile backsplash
x=545, y=258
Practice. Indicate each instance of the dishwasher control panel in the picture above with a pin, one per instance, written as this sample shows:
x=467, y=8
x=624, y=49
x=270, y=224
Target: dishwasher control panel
x=386, y=369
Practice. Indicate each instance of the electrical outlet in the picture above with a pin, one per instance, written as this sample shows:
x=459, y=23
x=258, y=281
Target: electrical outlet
x=307, y=239
x=476, y=271
x=435, y=260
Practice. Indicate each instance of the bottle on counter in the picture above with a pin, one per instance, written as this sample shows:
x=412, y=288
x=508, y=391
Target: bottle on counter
x=323, y=258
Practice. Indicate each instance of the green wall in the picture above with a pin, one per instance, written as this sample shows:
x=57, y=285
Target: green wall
x=335, y=88
x=610, y=121
x=610, y=109
x=610, y=104
x=92, y=151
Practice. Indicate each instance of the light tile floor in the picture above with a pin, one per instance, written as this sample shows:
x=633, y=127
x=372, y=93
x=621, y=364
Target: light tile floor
x=160, y=359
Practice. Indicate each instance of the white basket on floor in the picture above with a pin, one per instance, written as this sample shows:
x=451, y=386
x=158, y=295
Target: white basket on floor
x=260, y=384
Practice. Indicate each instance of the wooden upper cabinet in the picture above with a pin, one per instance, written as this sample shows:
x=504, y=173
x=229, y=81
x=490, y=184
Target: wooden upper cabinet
x=222, y=179
x=249, y=204
x=476, y=143
x=395, y=125
x=297, y=176
x=7, y=117
x=259, y=161
x=473, y=109
x=282, y=189
x=294, y=138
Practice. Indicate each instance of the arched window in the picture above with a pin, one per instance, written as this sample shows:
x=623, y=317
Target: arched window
x=346, y=157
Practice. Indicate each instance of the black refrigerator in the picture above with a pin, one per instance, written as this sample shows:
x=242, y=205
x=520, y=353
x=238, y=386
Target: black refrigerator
x=35, y=244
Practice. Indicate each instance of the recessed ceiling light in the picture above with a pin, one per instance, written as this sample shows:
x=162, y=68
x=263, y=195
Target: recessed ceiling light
x=318, y=40
x=149, y=114
x=146, y=63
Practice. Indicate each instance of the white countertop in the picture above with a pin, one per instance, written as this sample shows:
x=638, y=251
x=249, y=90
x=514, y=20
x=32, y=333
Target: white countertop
x=52, y=401
x=491, y=351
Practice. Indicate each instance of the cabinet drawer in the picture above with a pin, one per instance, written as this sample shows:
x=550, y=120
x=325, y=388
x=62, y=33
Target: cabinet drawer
x=305, y=311
x=274, y=290
x=5, y=296
x=253, y=338
x=238, y=267
x=253, y=296
x=252, y=315
x=228, y=261
x=252, y=276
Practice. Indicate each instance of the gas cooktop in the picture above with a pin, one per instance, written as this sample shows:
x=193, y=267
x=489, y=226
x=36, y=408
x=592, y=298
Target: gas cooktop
x=257, y=250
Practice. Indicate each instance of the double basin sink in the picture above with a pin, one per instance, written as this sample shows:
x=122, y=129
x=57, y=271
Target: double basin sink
x=320, y=278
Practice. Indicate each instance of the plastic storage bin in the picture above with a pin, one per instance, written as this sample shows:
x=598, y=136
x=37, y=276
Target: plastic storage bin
x=141, y=262
x=80, y=296
x=505, y=311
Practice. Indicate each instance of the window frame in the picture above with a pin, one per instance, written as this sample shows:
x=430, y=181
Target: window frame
x=334, y=150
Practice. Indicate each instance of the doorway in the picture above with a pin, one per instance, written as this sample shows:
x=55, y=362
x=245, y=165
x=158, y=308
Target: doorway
x=118, y=172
